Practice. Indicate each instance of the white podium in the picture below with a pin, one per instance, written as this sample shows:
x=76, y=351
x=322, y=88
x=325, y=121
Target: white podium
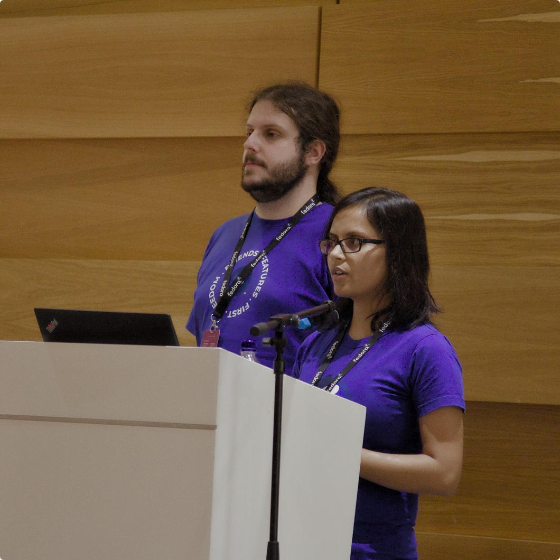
x=143, y=453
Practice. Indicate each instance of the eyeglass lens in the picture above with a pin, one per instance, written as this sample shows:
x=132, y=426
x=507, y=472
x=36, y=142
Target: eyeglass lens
x=350, y=245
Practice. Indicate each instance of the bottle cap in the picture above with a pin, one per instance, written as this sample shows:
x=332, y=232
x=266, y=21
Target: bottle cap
x=248, y=345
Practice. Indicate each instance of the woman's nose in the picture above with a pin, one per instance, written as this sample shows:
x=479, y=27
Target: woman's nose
x=337, y=252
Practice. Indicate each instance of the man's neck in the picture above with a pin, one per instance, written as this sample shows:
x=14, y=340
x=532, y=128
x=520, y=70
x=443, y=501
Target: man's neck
x=289, y=204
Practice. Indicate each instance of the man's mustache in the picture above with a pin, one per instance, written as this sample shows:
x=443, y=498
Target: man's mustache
x=253, y=159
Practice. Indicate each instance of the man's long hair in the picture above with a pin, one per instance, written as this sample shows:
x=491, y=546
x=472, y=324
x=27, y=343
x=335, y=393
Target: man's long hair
x=317, y=117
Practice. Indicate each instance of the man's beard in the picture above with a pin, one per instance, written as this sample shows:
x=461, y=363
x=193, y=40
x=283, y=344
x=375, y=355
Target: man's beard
x=282, y=179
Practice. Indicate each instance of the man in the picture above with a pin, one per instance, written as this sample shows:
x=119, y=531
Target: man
x=268, y=262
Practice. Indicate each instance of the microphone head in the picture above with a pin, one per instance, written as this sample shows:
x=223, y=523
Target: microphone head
x=322, y=322
x=304, y=324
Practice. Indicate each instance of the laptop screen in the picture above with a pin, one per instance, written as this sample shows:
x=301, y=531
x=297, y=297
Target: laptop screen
x=106, y=327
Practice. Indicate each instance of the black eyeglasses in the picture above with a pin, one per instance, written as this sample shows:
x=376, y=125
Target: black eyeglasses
x=348, y=245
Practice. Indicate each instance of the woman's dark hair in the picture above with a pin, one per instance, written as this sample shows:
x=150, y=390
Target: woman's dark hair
x=400, y=223
x=317, y=117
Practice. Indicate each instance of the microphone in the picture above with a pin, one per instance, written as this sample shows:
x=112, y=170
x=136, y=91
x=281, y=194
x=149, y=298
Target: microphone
x=322, y=322
x=323, y=319
x=323, y=315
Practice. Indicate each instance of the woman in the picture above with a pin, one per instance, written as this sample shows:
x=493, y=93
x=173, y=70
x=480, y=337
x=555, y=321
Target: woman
x=386, y=355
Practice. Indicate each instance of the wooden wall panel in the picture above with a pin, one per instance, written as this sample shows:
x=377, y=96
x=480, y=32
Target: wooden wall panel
x=158, y=199
x=147, y=75
x=30, y=8
x=143, y=199
x=115, y=213
x=150, y=286
x=492, y=208
x=110, y=224
x=489, y=199
x=511, y=482
x=444, y=67
x=503, y=322
x=444, y=547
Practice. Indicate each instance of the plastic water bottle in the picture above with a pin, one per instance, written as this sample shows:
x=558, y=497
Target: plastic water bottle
x=249, y=350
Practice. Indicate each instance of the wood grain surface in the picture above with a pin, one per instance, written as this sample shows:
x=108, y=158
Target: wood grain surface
x=503, y=324
x=140, y=199
x=492, y=208
x=491, y=204
x=30, y=8
x=147, y=75
x=121, y=131
x=476, y=66
x=443, y=547
x=105, y=285
x=488, y=199
x=511, y=482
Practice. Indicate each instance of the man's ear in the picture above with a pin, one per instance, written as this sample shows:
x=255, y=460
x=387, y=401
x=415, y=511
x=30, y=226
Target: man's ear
x=315, y=152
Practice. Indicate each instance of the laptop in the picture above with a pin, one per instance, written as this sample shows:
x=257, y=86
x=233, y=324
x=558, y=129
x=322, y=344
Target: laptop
x=106, y=327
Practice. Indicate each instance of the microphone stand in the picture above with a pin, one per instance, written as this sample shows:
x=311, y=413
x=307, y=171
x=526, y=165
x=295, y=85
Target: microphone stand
x=278, y=322
x=279, y=342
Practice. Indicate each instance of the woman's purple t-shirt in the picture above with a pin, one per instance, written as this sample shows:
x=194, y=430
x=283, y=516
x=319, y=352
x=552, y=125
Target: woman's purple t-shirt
x=404, y=376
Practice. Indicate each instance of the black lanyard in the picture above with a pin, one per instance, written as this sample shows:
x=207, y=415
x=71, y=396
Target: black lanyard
x=333, y=349
x=228, y=291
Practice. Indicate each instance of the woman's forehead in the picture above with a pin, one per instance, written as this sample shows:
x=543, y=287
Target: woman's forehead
x=352, y=220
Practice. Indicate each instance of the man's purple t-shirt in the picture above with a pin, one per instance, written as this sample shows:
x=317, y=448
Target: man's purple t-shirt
x=292, y=277
x=404, y=376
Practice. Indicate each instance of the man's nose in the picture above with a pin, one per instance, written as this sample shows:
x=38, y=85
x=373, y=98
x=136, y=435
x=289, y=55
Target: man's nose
x=251, y=143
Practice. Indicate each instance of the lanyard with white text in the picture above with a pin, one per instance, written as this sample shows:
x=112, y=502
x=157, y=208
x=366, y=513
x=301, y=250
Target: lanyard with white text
x=331, y=353
x=226, y=296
